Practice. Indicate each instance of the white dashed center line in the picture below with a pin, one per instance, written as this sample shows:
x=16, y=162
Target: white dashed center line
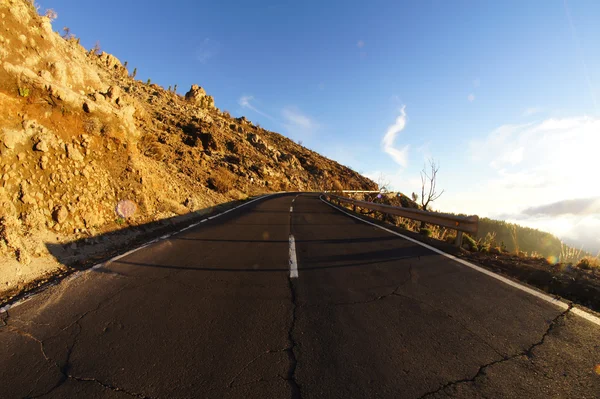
x=293, y=260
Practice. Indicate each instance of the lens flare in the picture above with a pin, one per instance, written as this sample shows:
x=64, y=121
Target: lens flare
x=553, y=260
x=597, y=369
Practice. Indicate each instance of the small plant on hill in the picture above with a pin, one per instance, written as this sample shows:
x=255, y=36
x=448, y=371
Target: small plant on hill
x=148, y=82
x=96, y=50
x=134, y=73
x=51, y=14
x=175, y=89
x=23, y=91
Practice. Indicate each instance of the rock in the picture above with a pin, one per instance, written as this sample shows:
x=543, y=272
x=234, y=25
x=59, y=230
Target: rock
x=189, y=203
x=42, y=146
x=73, y=153
x=256, y=141
x=28, y=199
x=198, y=96
x=114, y=92
x=11, y=137
x=60, y=214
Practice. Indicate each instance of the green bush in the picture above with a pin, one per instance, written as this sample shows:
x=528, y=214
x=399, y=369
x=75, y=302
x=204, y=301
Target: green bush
x=470, y=242
x=24, y=91
x=426, y=232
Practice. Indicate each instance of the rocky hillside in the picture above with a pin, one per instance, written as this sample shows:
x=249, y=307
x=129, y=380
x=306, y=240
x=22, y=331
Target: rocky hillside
x=79, y=135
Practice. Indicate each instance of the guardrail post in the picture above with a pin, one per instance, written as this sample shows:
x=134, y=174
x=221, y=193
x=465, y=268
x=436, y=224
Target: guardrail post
x=459, y=236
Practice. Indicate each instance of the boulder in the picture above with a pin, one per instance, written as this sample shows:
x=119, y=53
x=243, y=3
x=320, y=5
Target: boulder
x=198, y=96
x=60, y=214
x=73, y=153
x=11, y=138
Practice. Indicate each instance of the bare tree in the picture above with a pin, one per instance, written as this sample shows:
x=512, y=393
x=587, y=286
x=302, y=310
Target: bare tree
x=383, y=184
x=428, y=184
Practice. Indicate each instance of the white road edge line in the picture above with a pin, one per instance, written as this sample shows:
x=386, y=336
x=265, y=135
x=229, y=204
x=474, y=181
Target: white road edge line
x=78, y=274
x=293, y=259
x=555, y=301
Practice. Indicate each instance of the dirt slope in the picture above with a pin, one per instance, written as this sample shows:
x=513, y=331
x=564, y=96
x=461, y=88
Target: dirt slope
x=78, y=135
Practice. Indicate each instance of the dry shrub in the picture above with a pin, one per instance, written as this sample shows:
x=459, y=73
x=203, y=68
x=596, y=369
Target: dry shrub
x=589, y=263
x=221, y=181
x=151, y=148
x=91, y=125
x=336, y=185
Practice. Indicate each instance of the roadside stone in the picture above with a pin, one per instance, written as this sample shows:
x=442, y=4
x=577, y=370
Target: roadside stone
x=60, y=214
x=42, y=146
x=11, y=137
x=73, y=153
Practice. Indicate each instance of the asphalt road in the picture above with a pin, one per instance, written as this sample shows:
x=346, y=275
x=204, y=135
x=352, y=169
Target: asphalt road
x=213, y=313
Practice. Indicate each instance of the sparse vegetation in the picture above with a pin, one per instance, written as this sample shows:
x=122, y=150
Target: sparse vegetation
x=221, y=181
x=426, y=232
x=134, y=73
x=51, y=14
x=23, y=91
x=589, y=263
x=96, y=50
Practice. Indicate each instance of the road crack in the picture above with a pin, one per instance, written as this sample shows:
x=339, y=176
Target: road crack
x=268, y=352
x=291, y=375
x=377, y=298
x=527, y=353
x=109, y=386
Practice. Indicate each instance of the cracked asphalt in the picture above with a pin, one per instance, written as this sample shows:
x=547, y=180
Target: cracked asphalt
x=212, y=313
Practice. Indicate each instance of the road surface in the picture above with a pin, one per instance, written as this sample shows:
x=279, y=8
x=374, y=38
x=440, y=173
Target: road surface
x=213, y=313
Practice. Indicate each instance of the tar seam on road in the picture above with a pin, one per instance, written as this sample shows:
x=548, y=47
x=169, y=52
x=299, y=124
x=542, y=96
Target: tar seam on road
x=547, y=298
x=75, y=275
x=293, y=259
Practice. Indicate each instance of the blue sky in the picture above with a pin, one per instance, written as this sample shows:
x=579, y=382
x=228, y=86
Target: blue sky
x=492, y=89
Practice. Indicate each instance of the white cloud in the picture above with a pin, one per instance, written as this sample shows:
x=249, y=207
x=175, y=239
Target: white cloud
x=294, y=117
x=471, y=97
x=398, y=155
x=245, y=102
x=298, y=125
x=519, y=167
x=360, y=44
x=398, y=181
x=531, y=111
x=207, y=50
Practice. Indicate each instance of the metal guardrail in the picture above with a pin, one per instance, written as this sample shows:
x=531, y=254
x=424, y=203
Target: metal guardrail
x=467, y=224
